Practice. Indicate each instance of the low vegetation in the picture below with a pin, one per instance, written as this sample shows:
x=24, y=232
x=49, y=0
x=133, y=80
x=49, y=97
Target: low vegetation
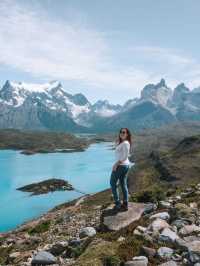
x=31, y=142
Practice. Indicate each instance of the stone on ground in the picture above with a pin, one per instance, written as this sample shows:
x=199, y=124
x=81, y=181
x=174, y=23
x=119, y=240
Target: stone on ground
x=115, y=221
x=87, y=232
x=43, y=258
x=169, y=263
x=168, y=235
x=158, y=225
x=149, y=252
x=194, y=251
x=189, y=229
x=165, y=252
x=137, y=261
x=161, y=215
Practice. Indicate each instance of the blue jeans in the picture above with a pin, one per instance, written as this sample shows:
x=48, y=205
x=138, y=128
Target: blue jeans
x=121, y=175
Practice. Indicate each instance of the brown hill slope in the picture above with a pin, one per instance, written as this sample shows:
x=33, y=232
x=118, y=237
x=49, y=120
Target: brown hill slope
x=178, y=166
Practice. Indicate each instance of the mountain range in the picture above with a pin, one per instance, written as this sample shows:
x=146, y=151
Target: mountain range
x=49, y=107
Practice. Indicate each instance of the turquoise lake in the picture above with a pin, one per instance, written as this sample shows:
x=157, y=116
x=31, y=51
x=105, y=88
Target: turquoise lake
x=87, y=171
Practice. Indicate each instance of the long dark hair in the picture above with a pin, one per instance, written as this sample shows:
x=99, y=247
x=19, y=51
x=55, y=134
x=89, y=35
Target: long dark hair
x=129, y=136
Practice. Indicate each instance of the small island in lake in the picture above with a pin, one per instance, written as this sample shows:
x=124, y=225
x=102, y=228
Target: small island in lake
x=46, y=186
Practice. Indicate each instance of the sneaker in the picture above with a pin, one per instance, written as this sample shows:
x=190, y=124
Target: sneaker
x=116, y=207
x=124, y=206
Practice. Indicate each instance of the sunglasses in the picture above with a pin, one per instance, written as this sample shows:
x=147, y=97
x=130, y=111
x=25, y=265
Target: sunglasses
x=122, y=132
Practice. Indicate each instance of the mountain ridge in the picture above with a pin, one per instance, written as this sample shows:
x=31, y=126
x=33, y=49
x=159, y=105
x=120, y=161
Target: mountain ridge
x=49, y=106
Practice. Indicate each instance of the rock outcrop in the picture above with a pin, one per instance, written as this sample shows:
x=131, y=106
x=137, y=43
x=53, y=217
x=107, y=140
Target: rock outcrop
x=116, y=221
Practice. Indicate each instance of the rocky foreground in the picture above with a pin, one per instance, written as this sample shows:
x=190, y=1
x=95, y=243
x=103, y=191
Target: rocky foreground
x=86, y=232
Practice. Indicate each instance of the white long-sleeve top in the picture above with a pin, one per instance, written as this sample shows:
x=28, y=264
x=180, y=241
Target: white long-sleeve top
x=122, y=152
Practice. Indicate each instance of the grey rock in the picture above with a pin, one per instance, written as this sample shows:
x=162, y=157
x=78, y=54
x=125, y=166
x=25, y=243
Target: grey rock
x=58, y=248
x=150, y=208
x=168, y=263
x=168, y=235
x=137, y=261
x=158, y=225
x=165, y=252
x=121, y=239
x=193, y=205
x=191, y=238
x=194, y=251
x=87, y=232
x=139, y=230
x=164, y=204
x=115, y=221
x=181, y=244
x=180, y=222
x=75, y=242
x=194, y=258
x=43, y=258
x=177, y=257
x=161, y=215
x=189, y=229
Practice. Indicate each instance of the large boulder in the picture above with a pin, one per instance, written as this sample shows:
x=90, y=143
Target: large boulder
x=43, y=258
x=115, y=221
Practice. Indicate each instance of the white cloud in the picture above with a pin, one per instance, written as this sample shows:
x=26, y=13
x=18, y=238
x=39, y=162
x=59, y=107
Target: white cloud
x=54, y=48
x=170, y=56
x=38, y=45
x=30, y=41
x=172, y=64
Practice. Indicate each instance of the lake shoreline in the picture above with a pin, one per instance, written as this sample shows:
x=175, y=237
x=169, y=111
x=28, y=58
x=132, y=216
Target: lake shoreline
x=71, y=203
x=34, y=142
x=72, y=167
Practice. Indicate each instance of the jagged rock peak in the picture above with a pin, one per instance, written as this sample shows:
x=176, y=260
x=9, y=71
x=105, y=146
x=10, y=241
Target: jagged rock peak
x=80, y=99
x=162, y=83
x=158, y=93
x=181, y=88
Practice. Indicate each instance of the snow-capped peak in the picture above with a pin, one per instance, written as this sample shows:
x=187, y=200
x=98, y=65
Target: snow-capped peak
x=104, y=108
x=15, y=93
x=34, y=87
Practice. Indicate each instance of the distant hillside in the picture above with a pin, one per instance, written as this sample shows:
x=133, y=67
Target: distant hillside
x=33, y=141
x=161, y=139
x=177, y=166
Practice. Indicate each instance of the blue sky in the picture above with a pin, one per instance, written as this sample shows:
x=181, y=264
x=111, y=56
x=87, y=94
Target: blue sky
x=105, y=49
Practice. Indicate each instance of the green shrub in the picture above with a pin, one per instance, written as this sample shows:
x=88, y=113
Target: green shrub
x=152, y=194
x=40, y=228
x=111, y=261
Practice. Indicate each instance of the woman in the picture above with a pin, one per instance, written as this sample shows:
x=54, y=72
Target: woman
x=120, y=169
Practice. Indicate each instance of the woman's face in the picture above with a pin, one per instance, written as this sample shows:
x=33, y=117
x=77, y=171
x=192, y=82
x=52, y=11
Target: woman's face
x=123, y=134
